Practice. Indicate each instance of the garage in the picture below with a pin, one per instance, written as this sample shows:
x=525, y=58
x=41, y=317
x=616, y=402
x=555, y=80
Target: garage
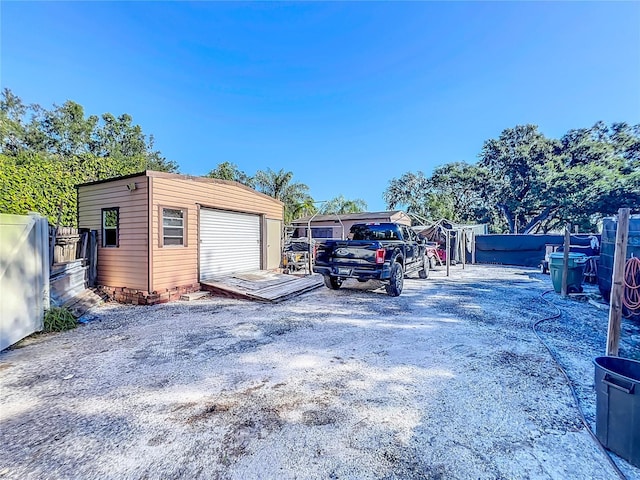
x=229, y=242
x=168, y=231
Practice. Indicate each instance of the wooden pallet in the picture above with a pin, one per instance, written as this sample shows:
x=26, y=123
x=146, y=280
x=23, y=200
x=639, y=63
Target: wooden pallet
x=262, y=286
x=189, y=297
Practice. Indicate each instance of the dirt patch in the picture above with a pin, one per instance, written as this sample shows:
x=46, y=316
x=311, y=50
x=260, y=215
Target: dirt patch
x=207, y=412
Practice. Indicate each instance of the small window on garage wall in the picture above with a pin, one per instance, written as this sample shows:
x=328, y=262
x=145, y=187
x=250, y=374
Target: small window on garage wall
x=110, y=226
x=174, y=227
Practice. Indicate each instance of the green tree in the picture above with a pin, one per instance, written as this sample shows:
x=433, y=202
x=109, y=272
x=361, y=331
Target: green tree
x=230, y=171
x=279, y=185
x=304, y=208
x=518, y=165
x=118, y=137
x=411, y=192
x=12, y=128
x=597, y=171
x=66, y=130
x=154, y=160
x=340, y=205
x=45, y=154
x=525, y=182
x=458, y=193
x=453, y=192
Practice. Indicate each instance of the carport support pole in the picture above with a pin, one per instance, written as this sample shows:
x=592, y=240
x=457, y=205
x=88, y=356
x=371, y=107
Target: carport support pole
x=464, y=247
x=448, y=251
x=617, y=283
x=473, y=247
x=310, y=233
x=565, y=265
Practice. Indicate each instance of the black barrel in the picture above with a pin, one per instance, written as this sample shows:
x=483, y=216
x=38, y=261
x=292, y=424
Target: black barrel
x=608, y=247
x=618, y=406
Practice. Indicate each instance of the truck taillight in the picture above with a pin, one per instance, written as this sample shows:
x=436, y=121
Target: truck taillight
x=380, y=255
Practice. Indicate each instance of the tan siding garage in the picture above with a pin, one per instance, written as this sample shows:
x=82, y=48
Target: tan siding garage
x=159, y=247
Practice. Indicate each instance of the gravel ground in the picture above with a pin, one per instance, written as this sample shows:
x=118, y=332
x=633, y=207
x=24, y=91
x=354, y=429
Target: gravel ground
x=447, y=381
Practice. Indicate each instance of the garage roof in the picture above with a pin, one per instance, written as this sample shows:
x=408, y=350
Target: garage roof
x=177, y=176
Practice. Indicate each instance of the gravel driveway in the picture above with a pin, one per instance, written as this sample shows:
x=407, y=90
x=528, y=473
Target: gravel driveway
x=446, y=381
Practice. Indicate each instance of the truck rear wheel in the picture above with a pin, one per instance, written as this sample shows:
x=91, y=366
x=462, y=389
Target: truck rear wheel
x=394, y=288
x=334, y=283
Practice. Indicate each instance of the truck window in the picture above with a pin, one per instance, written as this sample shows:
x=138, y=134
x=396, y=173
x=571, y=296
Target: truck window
x=375, y=232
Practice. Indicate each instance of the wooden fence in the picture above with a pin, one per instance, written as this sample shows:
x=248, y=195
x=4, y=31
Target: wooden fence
x=74, y=262
x=64, y=242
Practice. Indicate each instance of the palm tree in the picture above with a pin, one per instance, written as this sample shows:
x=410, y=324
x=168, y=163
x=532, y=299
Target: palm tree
x=340, y=205
x=278, y=185
x=304, y=208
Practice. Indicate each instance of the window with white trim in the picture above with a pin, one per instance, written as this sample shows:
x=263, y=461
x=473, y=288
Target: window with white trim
x=173, y=227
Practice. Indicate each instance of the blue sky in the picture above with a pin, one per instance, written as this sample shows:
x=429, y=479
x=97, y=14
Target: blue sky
x=345, y=95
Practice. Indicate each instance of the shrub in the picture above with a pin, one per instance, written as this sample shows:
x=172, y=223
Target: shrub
x=59, y=319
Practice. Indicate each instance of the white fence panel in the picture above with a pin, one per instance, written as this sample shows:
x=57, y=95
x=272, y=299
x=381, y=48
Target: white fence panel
x=24, y=276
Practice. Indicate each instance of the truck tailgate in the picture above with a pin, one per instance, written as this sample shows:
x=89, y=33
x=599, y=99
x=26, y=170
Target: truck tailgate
x=353, y=253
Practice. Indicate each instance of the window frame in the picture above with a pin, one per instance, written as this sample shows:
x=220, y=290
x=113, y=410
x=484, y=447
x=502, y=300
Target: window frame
x=104, y=228
x=161, y=226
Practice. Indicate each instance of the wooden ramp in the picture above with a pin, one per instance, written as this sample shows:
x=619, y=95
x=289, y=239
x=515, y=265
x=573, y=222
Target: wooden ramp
x=83, y=302
x=68, y=287
x=261, y=285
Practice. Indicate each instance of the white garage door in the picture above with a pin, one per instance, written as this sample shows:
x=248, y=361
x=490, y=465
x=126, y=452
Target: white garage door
x=229, y=243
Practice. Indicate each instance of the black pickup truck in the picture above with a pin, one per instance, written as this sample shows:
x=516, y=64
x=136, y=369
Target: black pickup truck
x=380, y=251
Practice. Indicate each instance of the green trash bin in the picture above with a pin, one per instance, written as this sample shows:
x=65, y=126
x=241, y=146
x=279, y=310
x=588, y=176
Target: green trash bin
x=577, y=263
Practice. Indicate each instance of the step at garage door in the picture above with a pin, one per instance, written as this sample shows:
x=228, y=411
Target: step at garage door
x=229, y=243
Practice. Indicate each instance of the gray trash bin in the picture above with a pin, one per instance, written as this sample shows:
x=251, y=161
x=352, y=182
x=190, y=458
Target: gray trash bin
x=618, y=406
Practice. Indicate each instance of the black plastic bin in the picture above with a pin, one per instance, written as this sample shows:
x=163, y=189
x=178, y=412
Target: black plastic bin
x=618, y=406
